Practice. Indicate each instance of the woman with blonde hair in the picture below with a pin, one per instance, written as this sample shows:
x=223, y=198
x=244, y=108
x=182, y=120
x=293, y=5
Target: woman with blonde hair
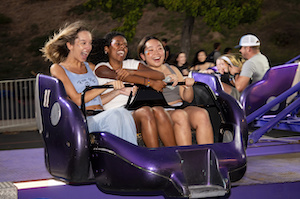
x=224, y=63
x=68, y=50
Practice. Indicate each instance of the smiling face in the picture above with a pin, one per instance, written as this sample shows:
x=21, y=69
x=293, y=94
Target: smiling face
x=154, y=53
x=117, y=51
x=201, y=56
x=181, y=59
x=82, y=46
x=222, y=66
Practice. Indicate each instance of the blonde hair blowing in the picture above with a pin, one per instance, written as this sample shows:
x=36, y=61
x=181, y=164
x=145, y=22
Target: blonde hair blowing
x=235, y=58
x=55, y=48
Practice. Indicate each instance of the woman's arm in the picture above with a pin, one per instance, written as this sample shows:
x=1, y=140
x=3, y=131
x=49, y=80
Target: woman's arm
x=58, y=72
x=119, y=88
x=147, y=72
x=107, y=97
x=143, y=71
x=132, y=77
x=186, y=92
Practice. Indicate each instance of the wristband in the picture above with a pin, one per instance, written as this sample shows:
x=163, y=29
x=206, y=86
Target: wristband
x=148, y=82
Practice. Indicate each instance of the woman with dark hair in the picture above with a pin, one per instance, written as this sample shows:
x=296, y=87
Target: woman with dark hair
x=199, y=61
x=149, y=121
x=181, y=63
x=151, y=51
x=68, y=50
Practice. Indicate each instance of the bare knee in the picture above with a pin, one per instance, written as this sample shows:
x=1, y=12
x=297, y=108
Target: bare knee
x=202, y=114
x=197, y=113
x=198, y=117
x=160, y=113
x=143, y=117
x=144, y=112
x=179, y=116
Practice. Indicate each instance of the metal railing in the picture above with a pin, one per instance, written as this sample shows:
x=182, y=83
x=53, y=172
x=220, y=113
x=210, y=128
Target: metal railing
x=17, y=105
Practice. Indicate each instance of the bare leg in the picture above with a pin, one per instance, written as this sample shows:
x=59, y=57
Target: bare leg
x=164, y=126
x=182, y=128
x=200, y=121
x=146, y=124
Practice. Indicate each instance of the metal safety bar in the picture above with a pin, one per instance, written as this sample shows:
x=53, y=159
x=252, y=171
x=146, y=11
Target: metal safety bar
x=254, y=137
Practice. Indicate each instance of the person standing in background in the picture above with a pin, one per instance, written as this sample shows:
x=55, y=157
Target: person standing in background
x=213, y=56
x=227, y=50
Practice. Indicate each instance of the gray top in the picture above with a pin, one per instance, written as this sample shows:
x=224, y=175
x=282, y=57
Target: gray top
x=255, y=67
x=171, y=93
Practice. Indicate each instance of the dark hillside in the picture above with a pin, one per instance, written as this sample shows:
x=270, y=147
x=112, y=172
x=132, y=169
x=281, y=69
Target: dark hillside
x=26, y=24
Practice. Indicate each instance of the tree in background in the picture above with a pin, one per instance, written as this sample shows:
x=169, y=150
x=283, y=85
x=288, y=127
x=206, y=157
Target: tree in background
x=216, y=14
x=130, y=11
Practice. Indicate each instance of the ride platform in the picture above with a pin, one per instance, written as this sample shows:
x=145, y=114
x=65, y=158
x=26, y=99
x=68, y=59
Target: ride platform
x=272, y=172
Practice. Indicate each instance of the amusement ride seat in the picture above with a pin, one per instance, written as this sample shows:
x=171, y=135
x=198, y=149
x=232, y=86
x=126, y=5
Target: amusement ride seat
x=276, y=80
x=76, y=156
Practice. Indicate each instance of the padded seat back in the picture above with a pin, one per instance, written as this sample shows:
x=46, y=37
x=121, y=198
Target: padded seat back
x=219, y=114
x=211, y=80
x=64, y=131
x=277, y=80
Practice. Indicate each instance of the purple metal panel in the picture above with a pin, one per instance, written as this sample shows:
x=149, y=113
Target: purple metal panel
x=277, y=80
x=211, y=80
x=254, y=137
x=64, y=131
x=117, y=165
x=266, y=107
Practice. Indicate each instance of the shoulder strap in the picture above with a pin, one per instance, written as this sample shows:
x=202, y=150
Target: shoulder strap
x=170, y=68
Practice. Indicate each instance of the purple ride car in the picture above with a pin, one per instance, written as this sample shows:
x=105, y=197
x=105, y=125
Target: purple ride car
x=76, y=156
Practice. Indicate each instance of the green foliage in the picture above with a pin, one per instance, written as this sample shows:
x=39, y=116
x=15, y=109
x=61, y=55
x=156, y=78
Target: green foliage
x=128, y=10
x=216, y=13
x=130, y=22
